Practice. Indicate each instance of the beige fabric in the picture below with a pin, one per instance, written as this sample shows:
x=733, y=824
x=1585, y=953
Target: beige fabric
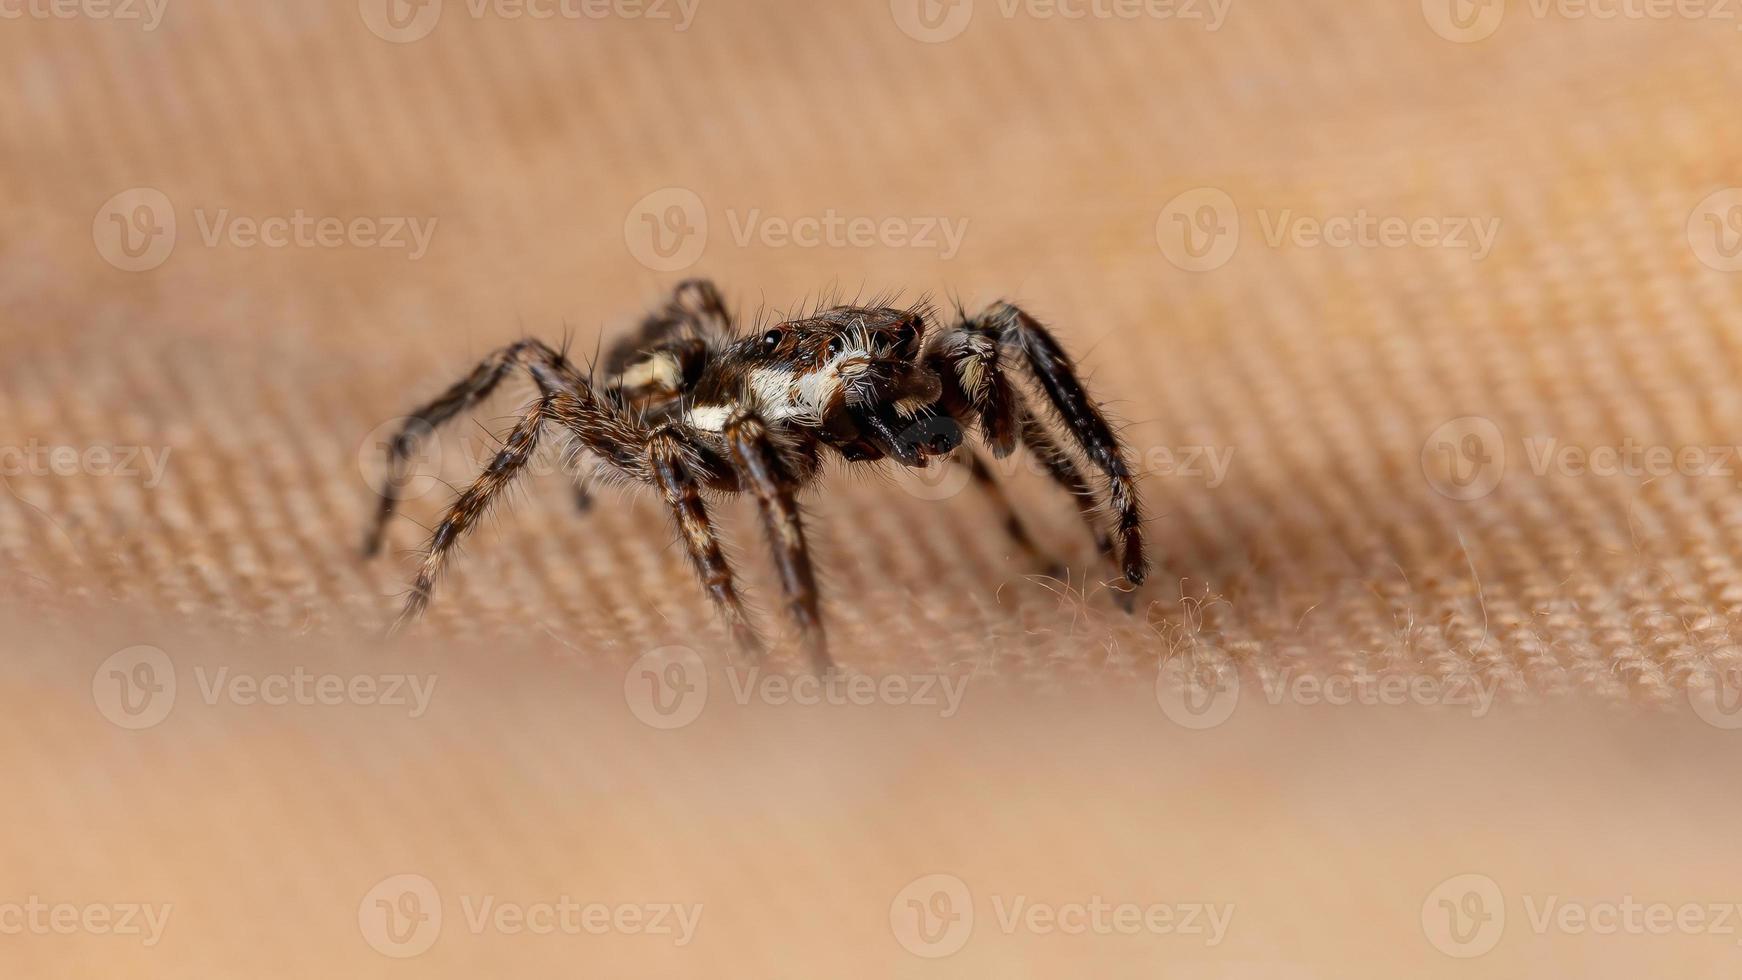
x=1076, y=153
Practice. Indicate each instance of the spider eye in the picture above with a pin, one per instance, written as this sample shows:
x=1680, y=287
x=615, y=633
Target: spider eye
x=836, y=345
x=771, y=340
x=906, y=335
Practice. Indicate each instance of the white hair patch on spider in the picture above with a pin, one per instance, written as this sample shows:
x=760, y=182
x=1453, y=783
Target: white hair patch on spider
x=709, y=418
x=659, y=371
x=781, y=394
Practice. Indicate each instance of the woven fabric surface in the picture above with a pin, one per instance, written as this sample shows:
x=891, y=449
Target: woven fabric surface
x=1285, y=388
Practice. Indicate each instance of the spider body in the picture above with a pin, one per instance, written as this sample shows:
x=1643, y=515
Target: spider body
x=693, y=408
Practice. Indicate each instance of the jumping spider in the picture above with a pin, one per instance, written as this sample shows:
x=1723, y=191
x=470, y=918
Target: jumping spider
x=691, y=407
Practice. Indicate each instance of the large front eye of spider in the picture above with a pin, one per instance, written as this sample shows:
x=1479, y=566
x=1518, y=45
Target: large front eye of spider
x=906, y=335
x=771, y=340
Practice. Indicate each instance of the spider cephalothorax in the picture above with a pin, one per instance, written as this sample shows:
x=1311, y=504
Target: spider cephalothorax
x=853, y=375
x=690, y=406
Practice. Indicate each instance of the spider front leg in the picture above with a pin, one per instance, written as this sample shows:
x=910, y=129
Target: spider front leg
x=764, y=471
x=568, y=403
x=471, y=504
x=464, y=394
x=1052, y=367
x=971, y=362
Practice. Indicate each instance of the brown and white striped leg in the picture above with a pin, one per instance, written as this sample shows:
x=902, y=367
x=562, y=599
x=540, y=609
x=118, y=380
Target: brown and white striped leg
x=988, y=485
x=463, y=395
x=683, y=495
x=472, y=504
x=762, y=472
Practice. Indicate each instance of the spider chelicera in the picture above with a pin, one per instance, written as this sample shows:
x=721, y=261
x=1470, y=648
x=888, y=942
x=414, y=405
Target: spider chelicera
x=691, y=406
